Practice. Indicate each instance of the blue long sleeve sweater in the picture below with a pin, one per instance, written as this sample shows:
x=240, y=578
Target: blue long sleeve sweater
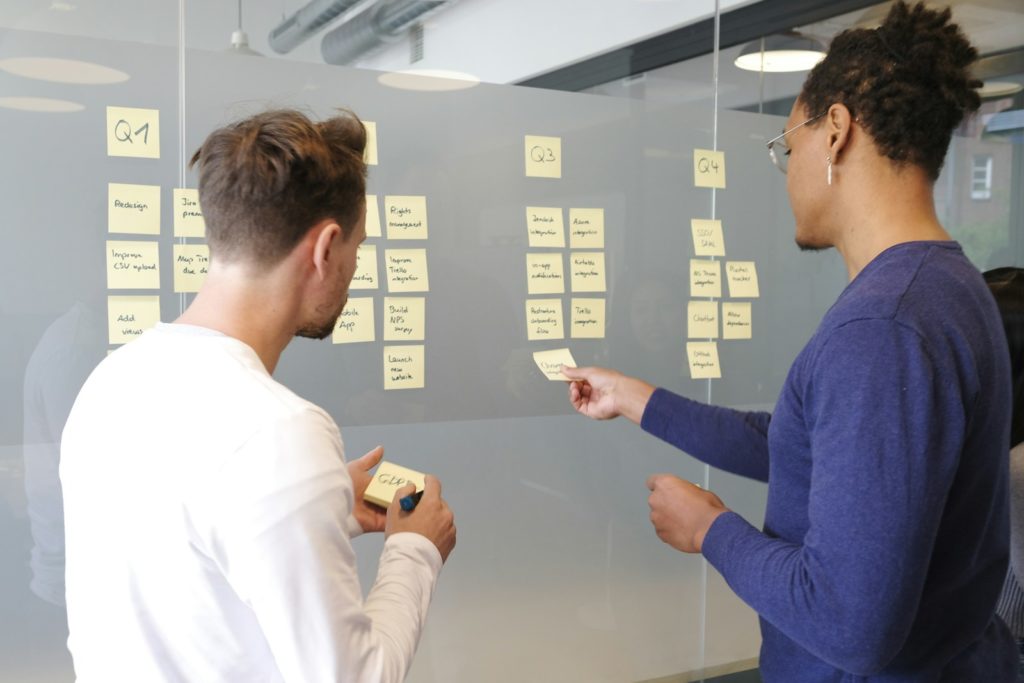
x=885, y=541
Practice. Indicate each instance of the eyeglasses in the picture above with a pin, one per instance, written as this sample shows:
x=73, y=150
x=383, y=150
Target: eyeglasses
x=781, y=158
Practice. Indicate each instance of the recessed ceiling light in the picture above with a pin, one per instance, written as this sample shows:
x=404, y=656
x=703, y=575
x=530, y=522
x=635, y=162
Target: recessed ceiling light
x=990, y=89
x=55, y=70
x=41, y=104
x=781, y=53
x=428, y=80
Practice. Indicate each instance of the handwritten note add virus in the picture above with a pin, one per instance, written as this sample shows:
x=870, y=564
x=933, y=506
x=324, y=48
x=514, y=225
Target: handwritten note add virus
x=543, y=156
x=586, y=228
x=736, y=320
x=742, y=276
x=544, y=274
x=404, y=318
x=133, y=208
x=356, y=323
x=365, y=276
x=587, y=318
x=129, y=316
x=188, y=215
x=372, y=216
x=544, y=226
x=708, y=168
x=133, y=265
x=702, y=320
x=586, y=270
x=708, y=239
x=703, y=359
x=406, y=217
x=544, y=319
x=133, y=132
x=406, y=270
x=403, y=367
x=551, y=362
x=370, y=153
x=191, y=264
x=705, y=278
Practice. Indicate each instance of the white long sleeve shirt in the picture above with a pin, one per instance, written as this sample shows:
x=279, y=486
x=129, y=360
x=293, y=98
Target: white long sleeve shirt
x=208, y=516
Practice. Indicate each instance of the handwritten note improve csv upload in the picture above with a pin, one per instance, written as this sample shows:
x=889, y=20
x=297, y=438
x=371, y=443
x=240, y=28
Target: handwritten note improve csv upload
x=133, y=265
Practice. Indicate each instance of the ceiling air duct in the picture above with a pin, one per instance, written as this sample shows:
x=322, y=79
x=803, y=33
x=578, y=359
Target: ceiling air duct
x=305, y=22
x=381, y=23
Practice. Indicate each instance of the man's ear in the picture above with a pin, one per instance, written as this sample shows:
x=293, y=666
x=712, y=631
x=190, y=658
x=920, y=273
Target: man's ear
x=323, y=235
x=837, y=127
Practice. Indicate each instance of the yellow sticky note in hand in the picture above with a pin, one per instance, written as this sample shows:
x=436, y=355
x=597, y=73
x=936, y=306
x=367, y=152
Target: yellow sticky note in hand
x=551, y=362
x=387, y=480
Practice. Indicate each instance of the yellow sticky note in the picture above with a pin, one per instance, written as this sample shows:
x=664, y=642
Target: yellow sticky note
x=355, y=324
x=544, y=274
x=703, y=357
x=586, y=268
x=133, y=208
x=366, y=268
x=708, y=239
x=544, y=319
x=403, y=367
x=587, y=318
x=705, y=278
x=586, y=228
x=370, y=153
x=742, y=277
x=544, y=226
x=551, y=362
x=191, y=263
x=406, y=270
x=736, y=320
x=372, y=216
x=543, y=157
x=133, y=265
x=702, y=320
x=406, y=217
x=188, y=216
x=404, y=318
x=129, y=316
x=133, y=132
x=708, y=168
x=388, y=479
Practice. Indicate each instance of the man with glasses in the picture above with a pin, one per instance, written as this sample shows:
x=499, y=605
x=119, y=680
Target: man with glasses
x=884, y=546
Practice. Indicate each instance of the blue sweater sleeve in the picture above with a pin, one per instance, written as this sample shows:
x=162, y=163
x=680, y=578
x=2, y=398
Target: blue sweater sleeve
x=728, y=439
x=886, y=426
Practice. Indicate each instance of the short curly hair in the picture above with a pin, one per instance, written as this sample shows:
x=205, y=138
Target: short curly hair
x=906, y=82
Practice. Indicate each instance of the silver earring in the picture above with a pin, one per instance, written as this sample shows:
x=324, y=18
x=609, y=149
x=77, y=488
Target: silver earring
x=829, y=169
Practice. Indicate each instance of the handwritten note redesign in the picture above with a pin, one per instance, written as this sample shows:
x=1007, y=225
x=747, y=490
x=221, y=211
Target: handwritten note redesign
x=370, y=153
x=406, y=217
x=406, y=270
x=133, y=265
x=587, y=271
x=587, y=318
x=702, y=320
x=133, y=132
x=707, y=237
x=708, y=168
x=544, y=319
x=191, y=264
x=703, y=358
x=736, y=320
x=372, y=216
x=543, y=156
x=188, y=215
x=544, y=226
x=544, y=274
x=366, y=268
x=404, y=318
x=356, y=322
x=129, y=316
x=586, y=228
x=705, y=278
x=133, y=208
x=742, y=277
x=551, y=362
x=403, y=367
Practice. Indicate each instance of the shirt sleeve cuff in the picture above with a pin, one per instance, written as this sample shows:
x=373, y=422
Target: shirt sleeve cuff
x=725, y=531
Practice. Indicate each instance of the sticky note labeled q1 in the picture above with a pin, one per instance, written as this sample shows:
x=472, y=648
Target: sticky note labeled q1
x=133, y=132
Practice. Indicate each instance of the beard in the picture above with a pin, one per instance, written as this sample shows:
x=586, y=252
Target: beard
x=806, y=245
x=321, y=329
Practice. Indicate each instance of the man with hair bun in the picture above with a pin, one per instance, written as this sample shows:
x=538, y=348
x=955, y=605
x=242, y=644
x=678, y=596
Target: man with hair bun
x=885, y=542
x=209, y=510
